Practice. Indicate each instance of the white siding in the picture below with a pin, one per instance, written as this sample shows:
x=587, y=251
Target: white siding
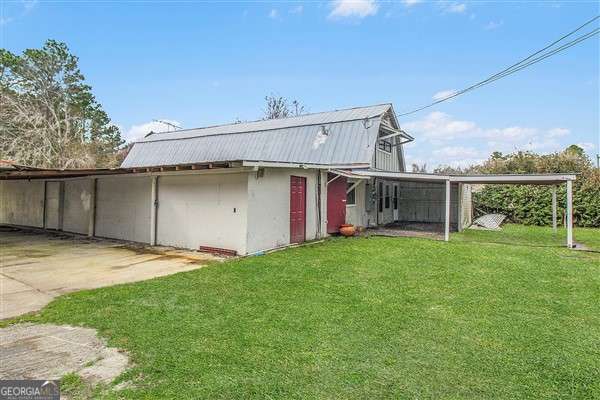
x=389, y=161
x=269, y=207
x=78, y=205
x=22, y=203
x=203, y=210
x=356, y=214
x=123, y=207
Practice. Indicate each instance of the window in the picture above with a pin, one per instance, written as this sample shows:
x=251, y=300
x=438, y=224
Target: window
x=385, y=145
x=395, y=201
x=350, y=195
x=387, y=196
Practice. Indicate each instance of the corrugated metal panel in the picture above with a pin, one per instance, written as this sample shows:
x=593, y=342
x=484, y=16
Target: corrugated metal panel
x=347, y=142
x=302, y=120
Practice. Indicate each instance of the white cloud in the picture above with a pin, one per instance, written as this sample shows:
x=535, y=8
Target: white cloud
x=410, y=3
x=456, y=8
x=353, y=8
x=558, y=132
x=512, y=133
x=493, y=25
x=587, y=146
x=137, y=132
x=439, y=125
x=273, y=14
x=5, y=20
x=443, y=94
x=442, y=139
x=457, y=152
x=297, y=10
x=29, y=4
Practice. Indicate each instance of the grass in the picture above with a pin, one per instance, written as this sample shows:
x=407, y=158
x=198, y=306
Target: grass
x=363, y=318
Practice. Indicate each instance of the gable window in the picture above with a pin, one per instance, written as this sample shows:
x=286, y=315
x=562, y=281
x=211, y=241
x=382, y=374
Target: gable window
x=385, y=145
x=351, y=195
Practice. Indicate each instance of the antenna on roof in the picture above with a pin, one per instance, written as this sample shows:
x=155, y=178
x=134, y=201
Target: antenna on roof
x=169, y=124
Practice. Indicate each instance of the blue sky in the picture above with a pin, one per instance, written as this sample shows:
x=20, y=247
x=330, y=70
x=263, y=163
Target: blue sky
x=201, y=63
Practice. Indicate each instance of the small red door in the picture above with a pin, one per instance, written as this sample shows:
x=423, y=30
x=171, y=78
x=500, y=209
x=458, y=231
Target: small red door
x=297, y=209
x=336, y=203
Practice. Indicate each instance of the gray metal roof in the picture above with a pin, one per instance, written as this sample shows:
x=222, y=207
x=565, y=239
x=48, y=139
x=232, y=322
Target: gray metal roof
x=350, y=139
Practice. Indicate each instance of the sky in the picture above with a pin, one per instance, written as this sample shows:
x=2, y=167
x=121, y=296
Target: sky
x=197, y=63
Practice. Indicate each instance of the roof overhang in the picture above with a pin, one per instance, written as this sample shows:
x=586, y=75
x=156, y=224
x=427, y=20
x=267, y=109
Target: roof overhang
x=520, y=179
x=271, y=164
x=393, y=132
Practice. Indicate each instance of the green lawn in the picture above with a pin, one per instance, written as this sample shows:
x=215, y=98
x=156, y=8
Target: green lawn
x=365, y=319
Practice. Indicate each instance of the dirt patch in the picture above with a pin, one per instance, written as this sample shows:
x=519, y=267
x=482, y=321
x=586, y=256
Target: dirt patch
x=30, y=351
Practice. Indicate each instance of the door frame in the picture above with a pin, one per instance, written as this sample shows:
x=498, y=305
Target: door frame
x=303, y=180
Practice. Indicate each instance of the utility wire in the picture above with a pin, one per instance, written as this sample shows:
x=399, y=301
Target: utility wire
x=529, y=60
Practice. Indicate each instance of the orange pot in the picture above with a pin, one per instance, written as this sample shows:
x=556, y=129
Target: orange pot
x=347, y=230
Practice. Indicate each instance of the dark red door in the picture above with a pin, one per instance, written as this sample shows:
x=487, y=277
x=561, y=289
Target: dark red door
x=336, y=203
x=297, y=209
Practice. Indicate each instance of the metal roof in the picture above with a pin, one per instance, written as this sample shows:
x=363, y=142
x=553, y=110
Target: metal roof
x=336, y=137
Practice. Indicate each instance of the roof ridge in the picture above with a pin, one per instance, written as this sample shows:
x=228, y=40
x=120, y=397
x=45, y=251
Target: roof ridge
x=263, y=120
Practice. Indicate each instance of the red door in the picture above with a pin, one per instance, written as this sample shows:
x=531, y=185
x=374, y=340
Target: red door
x=336, y=203
x=297, y=209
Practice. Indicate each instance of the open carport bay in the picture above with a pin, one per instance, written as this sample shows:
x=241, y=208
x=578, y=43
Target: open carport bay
x=37, y=266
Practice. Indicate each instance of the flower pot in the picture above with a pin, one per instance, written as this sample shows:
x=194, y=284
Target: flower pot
x=347, y=230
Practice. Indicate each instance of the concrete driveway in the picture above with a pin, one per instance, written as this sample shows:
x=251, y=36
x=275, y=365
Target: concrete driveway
x=36, y=266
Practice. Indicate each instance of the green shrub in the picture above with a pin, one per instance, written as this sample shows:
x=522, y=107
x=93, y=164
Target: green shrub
x=532, y=205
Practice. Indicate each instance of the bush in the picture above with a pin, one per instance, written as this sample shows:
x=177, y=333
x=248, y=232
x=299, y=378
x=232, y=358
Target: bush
x=532, y=205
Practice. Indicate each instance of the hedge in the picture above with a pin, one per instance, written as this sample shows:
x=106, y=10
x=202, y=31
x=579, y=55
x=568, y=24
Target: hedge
x=532, y=205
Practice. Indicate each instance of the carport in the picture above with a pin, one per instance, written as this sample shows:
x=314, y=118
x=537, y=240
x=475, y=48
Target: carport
x=503, y=179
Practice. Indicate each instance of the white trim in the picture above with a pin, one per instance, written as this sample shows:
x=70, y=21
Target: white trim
x=305, y=166
x=542, y=179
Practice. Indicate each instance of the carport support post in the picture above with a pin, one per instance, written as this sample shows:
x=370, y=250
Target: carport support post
x=447, y=217
x=554, y=222
x=570, y=214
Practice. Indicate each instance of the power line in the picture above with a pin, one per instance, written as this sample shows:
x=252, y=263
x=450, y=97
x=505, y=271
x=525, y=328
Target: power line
x=524, y=63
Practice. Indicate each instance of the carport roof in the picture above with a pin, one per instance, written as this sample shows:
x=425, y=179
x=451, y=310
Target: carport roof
x=522, y=179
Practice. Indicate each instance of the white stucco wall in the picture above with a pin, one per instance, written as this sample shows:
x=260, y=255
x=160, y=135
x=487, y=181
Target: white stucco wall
x=123, y=207
x=269, y=207
x=22, y=203
x=78, y=205
x=203, y=210
x=53, y=205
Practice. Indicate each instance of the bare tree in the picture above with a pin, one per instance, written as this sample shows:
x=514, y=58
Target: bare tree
x=419, y=168
x=280, y=107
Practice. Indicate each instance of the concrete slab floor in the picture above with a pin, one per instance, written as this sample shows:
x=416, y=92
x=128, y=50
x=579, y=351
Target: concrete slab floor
x=37, y=266
x=31, y=351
